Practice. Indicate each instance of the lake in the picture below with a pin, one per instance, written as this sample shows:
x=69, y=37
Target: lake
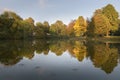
x=59, y=60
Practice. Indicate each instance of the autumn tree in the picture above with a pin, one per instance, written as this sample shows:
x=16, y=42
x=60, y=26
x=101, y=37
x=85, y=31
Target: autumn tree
x=110, y=12
x=70, y=28
x=80, y=26
x=101, y=24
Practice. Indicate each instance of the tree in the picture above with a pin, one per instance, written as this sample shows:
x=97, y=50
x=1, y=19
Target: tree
x=70, y=28
x=119, y=22
x=31, y=25
x=39, y=30
x=30, y=20
x=80, y=26
x=10, y=14
x=46, y=27
x=90, y=28
x=5, y=27
x=101, y=24
x=110, y=12
x=58, y=28
x=10, y=23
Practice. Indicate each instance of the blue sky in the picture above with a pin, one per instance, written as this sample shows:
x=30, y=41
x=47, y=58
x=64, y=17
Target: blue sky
x=52, y=10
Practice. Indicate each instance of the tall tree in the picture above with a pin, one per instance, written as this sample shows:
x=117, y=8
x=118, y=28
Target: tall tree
x=10, y=23
x=31, y=25
x=58, y=28
x=70, y=28
x=90, y=28
x=80, y=26
x=39, y=30
x=46, y=26
x=101, y=24
x=110, y=12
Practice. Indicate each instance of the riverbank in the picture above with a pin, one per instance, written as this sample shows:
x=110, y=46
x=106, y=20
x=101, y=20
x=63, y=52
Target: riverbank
x=109, y=39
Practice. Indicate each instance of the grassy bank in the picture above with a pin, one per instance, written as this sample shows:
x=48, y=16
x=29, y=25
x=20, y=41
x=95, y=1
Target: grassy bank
x=109, y=39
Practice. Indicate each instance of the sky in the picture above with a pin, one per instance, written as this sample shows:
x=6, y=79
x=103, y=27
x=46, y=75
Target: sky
x=52, y=10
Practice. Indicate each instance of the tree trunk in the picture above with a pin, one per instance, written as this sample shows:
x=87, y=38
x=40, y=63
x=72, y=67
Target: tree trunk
x=107, y=34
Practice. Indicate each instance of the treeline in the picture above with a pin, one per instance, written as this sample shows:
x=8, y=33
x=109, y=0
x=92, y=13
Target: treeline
x=104, y=22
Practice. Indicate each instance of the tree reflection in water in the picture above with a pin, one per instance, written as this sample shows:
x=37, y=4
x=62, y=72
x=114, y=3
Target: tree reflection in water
x=103, y=55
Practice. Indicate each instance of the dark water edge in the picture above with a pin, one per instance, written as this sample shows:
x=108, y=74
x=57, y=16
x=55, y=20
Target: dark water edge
x=59, y=59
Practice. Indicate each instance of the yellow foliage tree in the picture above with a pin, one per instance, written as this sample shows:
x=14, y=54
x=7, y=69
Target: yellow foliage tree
x=80, y=26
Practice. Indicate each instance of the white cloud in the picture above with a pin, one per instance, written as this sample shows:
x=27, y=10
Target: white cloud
x=0, y=10
x=42, y=3
x=5, y=9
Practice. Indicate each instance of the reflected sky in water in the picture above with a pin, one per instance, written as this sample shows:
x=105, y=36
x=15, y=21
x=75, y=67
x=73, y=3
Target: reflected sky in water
x=44, y=61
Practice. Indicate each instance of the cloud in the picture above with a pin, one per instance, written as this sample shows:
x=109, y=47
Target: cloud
x=43, y=3
x=0, y=10
x=5, y=9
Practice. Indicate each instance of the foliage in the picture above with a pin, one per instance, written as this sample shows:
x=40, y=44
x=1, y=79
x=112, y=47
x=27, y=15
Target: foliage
x=39, y=30
x=101, y=24
x=80, y=26
x=58, y=29
x=104, y=22
x=46, y=27
x=110, y=12
x=70, y=28
x=90, y=28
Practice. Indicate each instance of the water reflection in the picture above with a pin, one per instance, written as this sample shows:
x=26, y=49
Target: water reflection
x=103, y=55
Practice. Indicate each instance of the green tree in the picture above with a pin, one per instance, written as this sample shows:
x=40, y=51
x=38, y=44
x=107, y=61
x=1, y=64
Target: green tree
x=10, y=14
x=90, y=28
x=80, y=26
x=58, y=29
x=39, y=30
x=31, y=25
x=46, y=27
x=5, y=27
x=10, y=23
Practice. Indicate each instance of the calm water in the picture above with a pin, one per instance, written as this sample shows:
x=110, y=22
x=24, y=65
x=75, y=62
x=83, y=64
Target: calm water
x=59, y=60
